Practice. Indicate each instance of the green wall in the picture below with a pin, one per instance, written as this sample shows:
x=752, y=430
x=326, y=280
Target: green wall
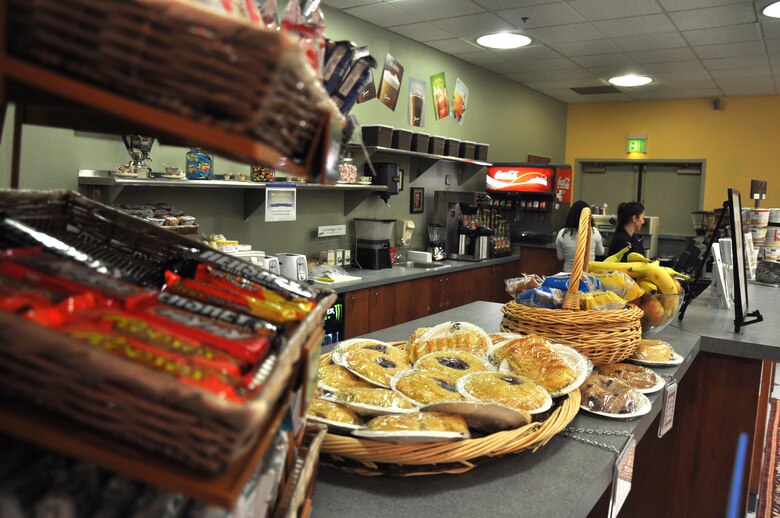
x=514, y=120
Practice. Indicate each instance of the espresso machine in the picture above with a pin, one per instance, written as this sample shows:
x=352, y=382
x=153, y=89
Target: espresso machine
x=373, y=237
x=139, y=148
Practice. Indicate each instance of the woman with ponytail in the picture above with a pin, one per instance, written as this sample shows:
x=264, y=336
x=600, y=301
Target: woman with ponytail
x=631, y=218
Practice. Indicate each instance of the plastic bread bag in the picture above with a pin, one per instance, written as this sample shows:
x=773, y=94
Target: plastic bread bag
x=364, y=400
x=620, y=283
x=534, y=357
x=547, y=298
x=560, y=281
x=609, y=395
x=455, y=336
x=517, y=285
x=601, y=301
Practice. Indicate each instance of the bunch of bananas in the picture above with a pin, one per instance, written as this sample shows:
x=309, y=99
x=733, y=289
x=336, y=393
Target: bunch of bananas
x=652, y=278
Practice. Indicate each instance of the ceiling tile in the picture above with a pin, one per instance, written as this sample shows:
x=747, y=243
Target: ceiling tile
x=506, y=68
x=747, y=91
x=730, y=34
x=585, y=48
x=736, y=73
x=773, y=46
x=740, y=62
x=723, y=16
x=771, y=29
x=684, y=5
x=543, y=65
x=383, y=15
x=730, y=50
x=436, y=9
x=607, y=9
x=603, y=60
x=571, y=74
x=344, y=4
x=522, y=77
x=496, y=5
x=480, y=57
x=636, y=26
x=542, y=16
x=475, y=25
x=602, y=98
x=667, y=40
x=737, y=82
x=565, y=33
x=583, y=83
x=681, y=66
x=682, y=77
x=704, y=93
x=422, y=31
x=607, y=72
x=663, y=55
x=543, y=85
x=691, y=85
x=649, y=92
x=453, y=46
x=530, y=53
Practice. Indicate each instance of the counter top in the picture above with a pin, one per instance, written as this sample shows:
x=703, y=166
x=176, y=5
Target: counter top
x=716, y=325
x=564, y=478
x=373, y=278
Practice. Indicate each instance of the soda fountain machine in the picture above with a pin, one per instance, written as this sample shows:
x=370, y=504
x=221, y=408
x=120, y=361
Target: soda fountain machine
x=533, y=198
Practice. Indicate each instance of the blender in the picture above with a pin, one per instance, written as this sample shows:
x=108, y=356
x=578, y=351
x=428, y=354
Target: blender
x=436, y=241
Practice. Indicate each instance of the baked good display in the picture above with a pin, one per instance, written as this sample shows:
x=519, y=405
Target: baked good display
x=609, y=395
x=419, y=421
x=533, y=357
x=483, y=416
x=498, y=338
x=508, y=389
x=366, y=400
x=652, y=350
x=455, y=363
x=377, y=364
x=635, y=376
x=449, y=336
x=424, y=387
x=331, y=411
x=334, y=377
x=342, y=349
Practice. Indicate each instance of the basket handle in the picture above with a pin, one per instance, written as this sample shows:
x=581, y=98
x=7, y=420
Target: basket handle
x=581, y=259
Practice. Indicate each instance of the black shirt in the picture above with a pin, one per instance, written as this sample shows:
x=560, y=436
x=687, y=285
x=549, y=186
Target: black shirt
x=619, y=241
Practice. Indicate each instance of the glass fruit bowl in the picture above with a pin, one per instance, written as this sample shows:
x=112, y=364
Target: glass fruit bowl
x=660, y=309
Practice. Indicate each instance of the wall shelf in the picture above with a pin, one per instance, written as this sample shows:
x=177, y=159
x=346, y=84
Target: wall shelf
x=422, y=162
x=102, y=186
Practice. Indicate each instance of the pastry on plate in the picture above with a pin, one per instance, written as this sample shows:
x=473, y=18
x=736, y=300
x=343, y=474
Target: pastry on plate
x=514, y=391
x=333, y=412
x=449, y=336
x=497, y=338
x=341, y=350
x=604, y=394
x=375, y=364
x=652, y=350
x=532, y=356
x=377, y=397
x=426, y=387
x=456, y=363
x=635, y=376
x=336, y=377
x=419, y=422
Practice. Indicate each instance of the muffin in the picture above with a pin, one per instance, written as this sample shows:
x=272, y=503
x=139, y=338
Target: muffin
x=419, y=422
x=651, y=350
x=377, y=365
x=604, y=394
x=533, y=357
x=455, y=363
x=333, y=412
x=504, y=388
x=335, y=377
x=426, y=387
x=634, y=376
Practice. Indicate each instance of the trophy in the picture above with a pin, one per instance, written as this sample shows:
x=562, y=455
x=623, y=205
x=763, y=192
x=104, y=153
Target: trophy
x=139, y=147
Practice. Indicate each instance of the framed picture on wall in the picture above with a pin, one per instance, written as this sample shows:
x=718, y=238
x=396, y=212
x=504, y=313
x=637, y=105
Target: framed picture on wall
x=417, y=200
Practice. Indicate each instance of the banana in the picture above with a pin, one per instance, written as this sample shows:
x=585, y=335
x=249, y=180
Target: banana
x=636, y=257
x=635, y=270
x=647, y=286
x=618, y=256
x=675, y=273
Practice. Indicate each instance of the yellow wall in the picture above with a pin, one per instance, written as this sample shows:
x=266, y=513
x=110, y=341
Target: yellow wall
x=740, y=142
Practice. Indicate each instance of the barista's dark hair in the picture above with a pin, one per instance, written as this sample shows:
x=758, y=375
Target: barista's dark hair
x=627, y=210
x=573, y=217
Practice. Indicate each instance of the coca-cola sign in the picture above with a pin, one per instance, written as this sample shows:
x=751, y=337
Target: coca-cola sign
x=513, y=178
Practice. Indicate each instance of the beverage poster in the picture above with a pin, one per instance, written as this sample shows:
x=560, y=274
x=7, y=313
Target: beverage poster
x=439, y=89
x=390, y=84
x=460, y=98
x=416, y=102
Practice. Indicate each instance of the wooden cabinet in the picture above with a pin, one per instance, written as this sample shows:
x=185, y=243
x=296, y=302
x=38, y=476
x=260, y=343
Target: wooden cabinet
x=478, y=284
x=381, y=307
x=356, y=313
x=541, y=261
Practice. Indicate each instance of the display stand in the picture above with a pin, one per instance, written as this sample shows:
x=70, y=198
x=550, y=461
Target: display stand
x=741, y=305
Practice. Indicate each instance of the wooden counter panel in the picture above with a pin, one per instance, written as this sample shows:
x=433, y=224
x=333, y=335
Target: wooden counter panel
x=541, y=261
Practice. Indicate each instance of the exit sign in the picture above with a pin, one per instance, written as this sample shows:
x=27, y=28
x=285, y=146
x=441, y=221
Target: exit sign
x=637, y=143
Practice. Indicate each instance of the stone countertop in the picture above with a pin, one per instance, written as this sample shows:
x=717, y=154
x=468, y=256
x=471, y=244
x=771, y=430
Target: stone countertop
x=564, y=478
x=373, y=278
x=716, y=325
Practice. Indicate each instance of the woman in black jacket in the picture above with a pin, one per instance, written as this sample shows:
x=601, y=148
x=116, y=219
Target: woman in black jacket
x=631, y=217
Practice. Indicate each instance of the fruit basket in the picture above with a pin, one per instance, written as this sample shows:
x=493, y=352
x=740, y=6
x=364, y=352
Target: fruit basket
x=659, y=310
x=604, y=337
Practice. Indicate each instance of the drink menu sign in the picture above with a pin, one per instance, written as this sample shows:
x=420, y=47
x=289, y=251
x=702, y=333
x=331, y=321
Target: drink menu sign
x=416, y=102
x=517, y=178
x=563, y=177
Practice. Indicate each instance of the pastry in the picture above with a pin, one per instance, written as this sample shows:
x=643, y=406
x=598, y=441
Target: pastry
x=417, y=334
x=336, y=377
x=504, y=388
x=449, y=336
x=456, y=363
x=332, y=412
x=377, y=364
x=652, y=350
x=497, y=338
x=419, y=422
x=532, y=356
x=378, y=397
x=605, y=394
x=342, y=349
x=634, y=376
x=427, y=387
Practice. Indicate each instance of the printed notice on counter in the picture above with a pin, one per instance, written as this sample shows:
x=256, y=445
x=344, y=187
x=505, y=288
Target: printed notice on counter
x=624, y=474
x=667, y=411
x=280, y=202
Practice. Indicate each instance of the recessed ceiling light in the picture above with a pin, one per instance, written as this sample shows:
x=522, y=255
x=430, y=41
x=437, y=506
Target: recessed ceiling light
x=503, y=40
x=772, y=10
x=630, y=80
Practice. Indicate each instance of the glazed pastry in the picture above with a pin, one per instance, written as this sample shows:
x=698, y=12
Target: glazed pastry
x=337, y=377
x=449, y=336
x=344, y=348
x=605, y=394
x=427, y=387
x=333, y=412
x=532, y=356
x=504, y=388
x=379, y=397
x=417, y=334
x=456, y=363
x=635, y=376
x=497, y=338
x=377, y=365
x=652, y=350
x=419, y=422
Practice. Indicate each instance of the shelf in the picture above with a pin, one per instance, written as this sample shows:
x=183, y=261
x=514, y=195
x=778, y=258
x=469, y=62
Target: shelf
x=422, y=162
x=103, y=187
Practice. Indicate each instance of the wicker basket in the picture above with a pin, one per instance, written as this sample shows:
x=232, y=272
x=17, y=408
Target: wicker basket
x=183, y=58
x=370, y=458
x=603, y=336
x=107, y=393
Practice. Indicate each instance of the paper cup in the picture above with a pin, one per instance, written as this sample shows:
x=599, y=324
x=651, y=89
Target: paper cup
x=759, y=217
x=774, y=216
x=772, y=253
x=759, y=233
x=773, y=236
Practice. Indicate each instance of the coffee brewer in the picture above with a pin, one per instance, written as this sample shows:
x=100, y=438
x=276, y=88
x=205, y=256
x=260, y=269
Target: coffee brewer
x=373, y=237
x=139, y=148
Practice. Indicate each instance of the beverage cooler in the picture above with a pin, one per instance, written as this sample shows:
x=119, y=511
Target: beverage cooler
x=535, y=198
